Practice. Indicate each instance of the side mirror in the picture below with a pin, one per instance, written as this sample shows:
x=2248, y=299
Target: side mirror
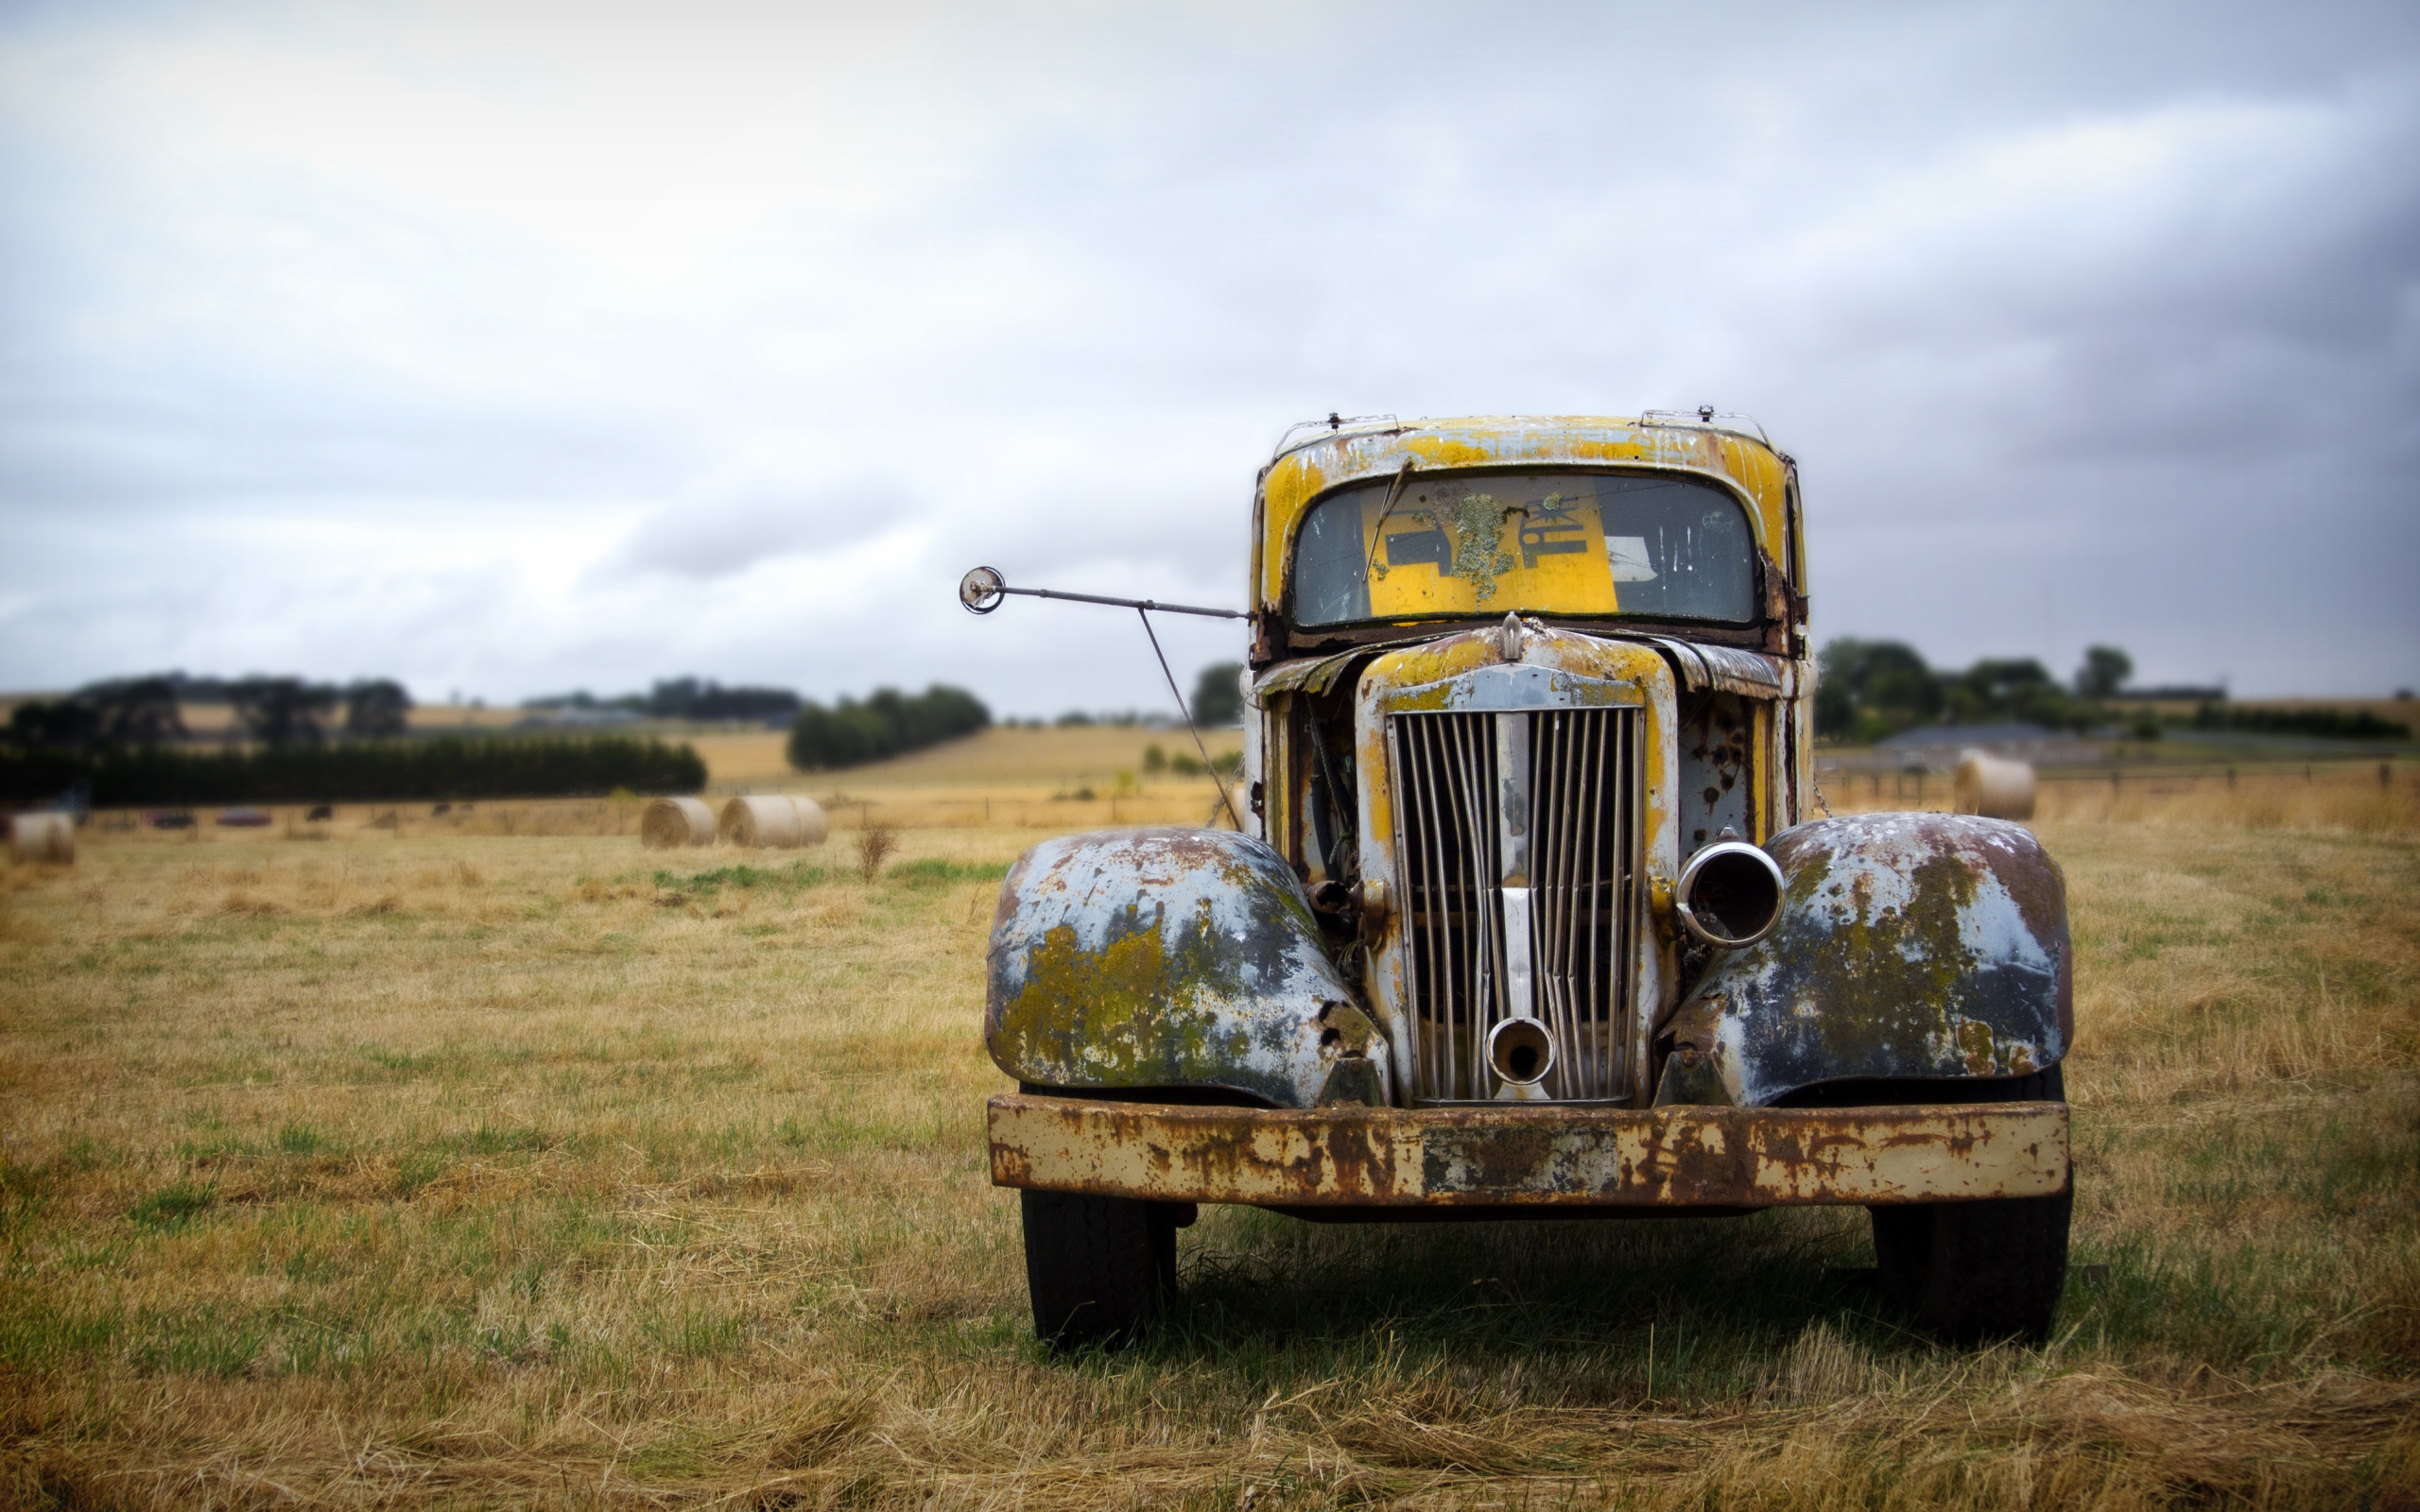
x=982, y=590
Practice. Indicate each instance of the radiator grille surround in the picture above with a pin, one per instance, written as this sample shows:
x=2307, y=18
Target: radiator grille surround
x=1516, y=852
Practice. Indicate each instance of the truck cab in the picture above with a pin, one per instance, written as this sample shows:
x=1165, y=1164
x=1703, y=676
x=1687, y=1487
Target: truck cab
x=1531, y=913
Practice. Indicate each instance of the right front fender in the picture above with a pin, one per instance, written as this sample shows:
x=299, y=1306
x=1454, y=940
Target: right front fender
x=1910, y=946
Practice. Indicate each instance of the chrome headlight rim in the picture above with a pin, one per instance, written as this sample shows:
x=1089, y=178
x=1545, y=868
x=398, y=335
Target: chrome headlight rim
x=1725, y=851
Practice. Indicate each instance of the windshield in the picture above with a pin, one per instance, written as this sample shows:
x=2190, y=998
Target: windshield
x=1659, y=547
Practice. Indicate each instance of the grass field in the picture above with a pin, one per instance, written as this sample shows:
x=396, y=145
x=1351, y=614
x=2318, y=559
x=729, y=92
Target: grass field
x=454, y=1168
x=996, y=759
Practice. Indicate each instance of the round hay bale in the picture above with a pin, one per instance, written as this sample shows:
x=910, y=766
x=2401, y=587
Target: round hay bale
x=670, y=822
x=759, y=823
x=774, y=821
x=1993, y=787
x=43, y=837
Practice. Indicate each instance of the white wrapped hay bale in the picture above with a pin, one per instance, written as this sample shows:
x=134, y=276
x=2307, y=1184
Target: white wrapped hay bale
x=671, y=822
x=43, y=837
x=774, y=821
x=1993, y=787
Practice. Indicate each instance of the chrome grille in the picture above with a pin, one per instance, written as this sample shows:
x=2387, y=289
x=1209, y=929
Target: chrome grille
x=1502, y=818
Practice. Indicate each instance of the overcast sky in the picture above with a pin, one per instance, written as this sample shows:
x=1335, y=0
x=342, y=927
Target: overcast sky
x=509, y=348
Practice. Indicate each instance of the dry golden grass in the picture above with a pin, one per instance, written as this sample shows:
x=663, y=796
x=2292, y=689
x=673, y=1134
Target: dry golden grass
x=1001, y=762
x=2362, y=796
x=1025, y=779
x=1043, y=758
x=745, y=761
x=482, y=1169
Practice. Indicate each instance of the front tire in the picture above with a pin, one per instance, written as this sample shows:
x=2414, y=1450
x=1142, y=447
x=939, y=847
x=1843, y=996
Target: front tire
x=1099, y=1269
x=1980, y=1272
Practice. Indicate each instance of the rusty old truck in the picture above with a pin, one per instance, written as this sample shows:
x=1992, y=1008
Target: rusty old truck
x=1531, y=914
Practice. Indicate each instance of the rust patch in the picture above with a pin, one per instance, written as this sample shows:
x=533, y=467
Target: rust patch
x=1911, y=945
x=1166, y=959
x=1536, y=1157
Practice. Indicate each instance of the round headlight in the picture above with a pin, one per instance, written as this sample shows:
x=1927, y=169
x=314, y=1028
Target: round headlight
x=1730, y=894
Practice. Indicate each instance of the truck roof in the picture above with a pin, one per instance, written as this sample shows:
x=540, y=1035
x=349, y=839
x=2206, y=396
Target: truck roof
x=1338, y=452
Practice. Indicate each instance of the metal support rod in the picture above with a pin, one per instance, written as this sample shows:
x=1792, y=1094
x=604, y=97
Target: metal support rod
x=1131, y=603
x=1189, y=724
x=983, y=588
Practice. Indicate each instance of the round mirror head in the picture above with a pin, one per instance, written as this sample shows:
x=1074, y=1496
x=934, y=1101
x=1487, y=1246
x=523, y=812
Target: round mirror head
x=982, y=590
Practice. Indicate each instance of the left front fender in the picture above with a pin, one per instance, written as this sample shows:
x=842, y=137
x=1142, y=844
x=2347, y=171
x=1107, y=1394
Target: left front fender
x=1158, y=959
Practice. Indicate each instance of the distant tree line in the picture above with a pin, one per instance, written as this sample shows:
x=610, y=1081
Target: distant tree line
x=2332, y=723
x=445, y=766
x=144, y=711
x=887, y=723
x=686, y=698
x=1217, y=700
x=1094, y=719
x=1868, y=690
x=1183, y=764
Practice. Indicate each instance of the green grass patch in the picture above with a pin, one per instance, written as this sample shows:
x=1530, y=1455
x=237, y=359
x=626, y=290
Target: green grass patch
x=699, y=1333
x=197, y=1341
x=797, y=875
x=416, y=1170
x=933, y=871
x=173, y=1206
x=399, y=1065
x=487, y=1140
x=44, y=1337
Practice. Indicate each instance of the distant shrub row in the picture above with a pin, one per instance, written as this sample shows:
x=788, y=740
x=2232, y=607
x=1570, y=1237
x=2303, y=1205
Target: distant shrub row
x=887, y=723
x=356, y=772
x=2325, y=723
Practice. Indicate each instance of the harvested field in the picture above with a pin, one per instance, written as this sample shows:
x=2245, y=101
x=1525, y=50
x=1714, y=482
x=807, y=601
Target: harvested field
x=2362, y=796
x=447, y=1168
x=998, y=761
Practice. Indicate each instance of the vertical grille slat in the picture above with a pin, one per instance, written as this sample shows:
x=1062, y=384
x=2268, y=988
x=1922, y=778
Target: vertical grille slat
x=1583, y=780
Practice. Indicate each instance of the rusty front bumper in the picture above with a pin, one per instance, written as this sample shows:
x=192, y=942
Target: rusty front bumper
x=1538, y=1156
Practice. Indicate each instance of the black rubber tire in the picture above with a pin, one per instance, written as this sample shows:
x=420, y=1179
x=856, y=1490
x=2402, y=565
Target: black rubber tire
x=1099, y=1269
x=1980, y=1272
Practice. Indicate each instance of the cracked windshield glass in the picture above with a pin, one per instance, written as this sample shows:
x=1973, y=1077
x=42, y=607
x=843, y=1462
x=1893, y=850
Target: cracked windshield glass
x=1662, y=548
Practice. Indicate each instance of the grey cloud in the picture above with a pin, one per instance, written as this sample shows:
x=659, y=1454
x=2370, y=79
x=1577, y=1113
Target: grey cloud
x=1124, y=252
x=731, y=523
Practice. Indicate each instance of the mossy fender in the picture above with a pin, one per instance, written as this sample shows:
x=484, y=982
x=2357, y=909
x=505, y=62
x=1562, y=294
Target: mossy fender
x=1170, y=959
x=1911, y=945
